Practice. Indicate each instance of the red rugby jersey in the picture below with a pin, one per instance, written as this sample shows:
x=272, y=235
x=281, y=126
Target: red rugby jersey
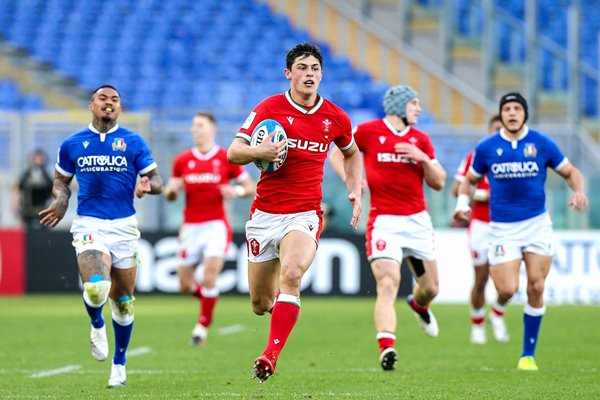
x=202, y=174
x=480, y=210
x=395, y=183
x=296, y=185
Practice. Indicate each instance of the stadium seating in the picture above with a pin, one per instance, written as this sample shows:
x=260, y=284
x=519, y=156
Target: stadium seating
x=552, y=26
x=189, y=57
x=12, y=98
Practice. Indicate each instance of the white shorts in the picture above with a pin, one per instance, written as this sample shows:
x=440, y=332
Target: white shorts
x=116, y=237
x=265, y=231
x=196, y=242
x=509, y=240
x=400, y=236
x=479, y=241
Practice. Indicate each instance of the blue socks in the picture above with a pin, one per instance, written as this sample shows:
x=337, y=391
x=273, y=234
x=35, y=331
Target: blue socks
x=122, y=335
x=95, y=313
x=532, y=319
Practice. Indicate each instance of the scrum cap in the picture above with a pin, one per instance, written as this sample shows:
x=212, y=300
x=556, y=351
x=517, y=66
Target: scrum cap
x=396, y=98
x=517, y=97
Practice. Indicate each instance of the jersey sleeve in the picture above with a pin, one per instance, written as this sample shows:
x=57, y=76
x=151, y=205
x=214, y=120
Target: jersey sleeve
x=478, y=165
x=428, y=148
x=64, y=163
x=258, y=114
x=556, y=158
x=237, y=172
x=144, y=161
x=463, y=168
x=177, y=171
x=345, y=139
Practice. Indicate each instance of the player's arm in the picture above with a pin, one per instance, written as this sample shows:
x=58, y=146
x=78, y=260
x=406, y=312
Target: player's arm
x=574, y=178
x=61, y=192
x=172, y=188
x=241, y=153
x=352, y=169
x=434, y=173
x=245, y=187
x=462, y=211
x=150, y=183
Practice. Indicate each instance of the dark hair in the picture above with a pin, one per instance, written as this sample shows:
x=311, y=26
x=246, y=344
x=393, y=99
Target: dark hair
x=494, y=118
x=105, y=86
x=207, y=115
x=303, y=50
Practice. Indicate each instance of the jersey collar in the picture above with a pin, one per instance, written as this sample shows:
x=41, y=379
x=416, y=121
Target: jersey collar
x=113, y=129
x=505, y=136
x=394, y=130
x=205, y=156
x=300, y=108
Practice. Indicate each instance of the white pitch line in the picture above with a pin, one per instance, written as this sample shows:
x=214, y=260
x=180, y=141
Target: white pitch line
x=56, y=371
x=228, y=330
x=138, y=351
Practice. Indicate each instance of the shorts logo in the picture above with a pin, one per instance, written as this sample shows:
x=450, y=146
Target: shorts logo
x=119, y=144
x=182, y=253
x=254, y=247
x=87, y=239
x=499, y=251
x=475, y=254
x=310, y=227
x=380, y=244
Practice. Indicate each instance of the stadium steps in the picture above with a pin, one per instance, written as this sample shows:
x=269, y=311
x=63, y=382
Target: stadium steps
x=39, y=79
x=374, y=48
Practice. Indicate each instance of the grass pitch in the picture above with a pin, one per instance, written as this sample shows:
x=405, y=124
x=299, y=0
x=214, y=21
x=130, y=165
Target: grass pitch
x=332, y=354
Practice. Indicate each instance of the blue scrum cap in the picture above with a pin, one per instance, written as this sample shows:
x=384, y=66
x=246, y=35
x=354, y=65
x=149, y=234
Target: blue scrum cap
x=396, y=98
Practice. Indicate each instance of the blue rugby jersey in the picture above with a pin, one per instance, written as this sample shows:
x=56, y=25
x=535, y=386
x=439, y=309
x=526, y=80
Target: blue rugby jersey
x=106, y=167
x=516, y=170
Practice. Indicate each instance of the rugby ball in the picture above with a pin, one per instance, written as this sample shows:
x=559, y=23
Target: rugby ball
x=260, y=133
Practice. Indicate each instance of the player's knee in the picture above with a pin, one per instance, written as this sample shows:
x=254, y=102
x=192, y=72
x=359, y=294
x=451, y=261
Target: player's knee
x=387, y=286
x=431, y=289
x=291, y=276
x=95, y=292
x=506, y=292
x=262, y=305
x=122, y=310
x=535, y=288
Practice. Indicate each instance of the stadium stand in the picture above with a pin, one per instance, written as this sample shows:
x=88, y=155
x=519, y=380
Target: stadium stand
x=552, y=28
x=190, y=57
x=13, y=98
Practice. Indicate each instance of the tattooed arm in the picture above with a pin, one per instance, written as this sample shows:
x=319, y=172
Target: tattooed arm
x=150, y=183
x=61, y=192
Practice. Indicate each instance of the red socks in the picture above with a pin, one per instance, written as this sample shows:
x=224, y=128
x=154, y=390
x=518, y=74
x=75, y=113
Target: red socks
x=385, y=340
x=208, y=301
x=283, y=320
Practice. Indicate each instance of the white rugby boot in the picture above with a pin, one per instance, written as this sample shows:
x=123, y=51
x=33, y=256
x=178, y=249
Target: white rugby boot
x=426, y=319
x=199, y=335
x=499, y=328
x=478, y=335
x=118, y=376
x=99, y=343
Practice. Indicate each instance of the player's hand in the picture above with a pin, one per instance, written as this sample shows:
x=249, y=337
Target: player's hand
x=354, y=199
x=579, y=201
x=270, y=151
x=462, y=215
x=173, y=187
x=142, y=187
x=55, y=212
x=228, y=192
x=410, y=151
